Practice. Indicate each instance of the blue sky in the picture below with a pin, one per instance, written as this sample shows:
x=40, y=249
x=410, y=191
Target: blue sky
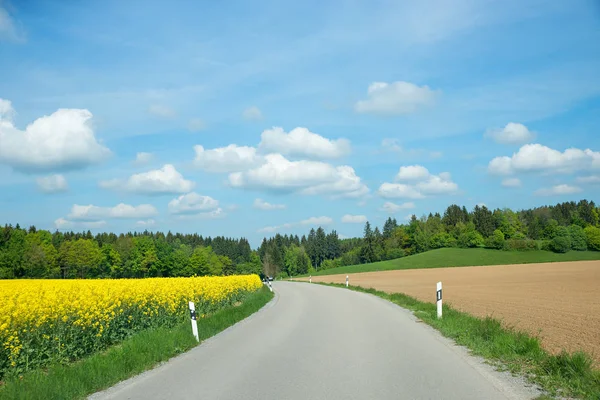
x=251, y=118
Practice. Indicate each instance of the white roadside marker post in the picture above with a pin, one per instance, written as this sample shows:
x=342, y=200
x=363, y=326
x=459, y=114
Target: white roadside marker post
x=270, y=287
x=194, y=322
x=310, y=279
x=439, y=299
x=346, y=280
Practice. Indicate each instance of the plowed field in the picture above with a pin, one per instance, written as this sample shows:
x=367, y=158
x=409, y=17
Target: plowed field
x=559, y=302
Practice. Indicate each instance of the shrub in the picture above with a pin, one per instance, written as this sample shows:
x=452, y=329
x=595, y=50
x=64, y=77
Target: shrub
x=560, y=244
x=442, y=239
x=578, y=239
x=592, y=237
x=496, y=241
x=471, y=239
x=392, y=254
x=521, y=244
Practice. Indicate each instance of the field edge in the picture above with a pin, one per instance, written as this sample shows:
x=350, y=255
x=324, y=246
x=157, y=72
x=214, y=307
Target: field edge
x=477, y=257
x=505, y=348
x=142, y=352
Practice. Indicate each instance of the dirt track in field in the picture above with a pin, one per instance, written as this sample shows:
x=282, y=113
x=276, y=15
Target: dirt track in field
x=559, y=302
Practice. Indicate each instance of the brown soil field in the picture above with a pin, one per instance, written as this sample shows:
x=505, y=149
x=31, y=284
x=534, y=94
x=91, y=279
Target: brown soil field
x=558, y=302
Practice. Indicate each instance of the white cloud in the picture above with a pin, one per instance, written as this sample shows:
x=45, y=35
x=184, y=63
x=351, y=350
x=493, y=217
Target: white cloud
x=390, y=144
x=252, y=114
x=303, y=177
x=302, y=142
x=52, y=184
x=196, y=125
x=399, y=190
x=166, y=180
x=422, y=184
x=145, y=223
x=354, y=219
x=143, y=158
x=192, y=203
x=412, y=172
x=512, y=133
x=558, y=190
x=227, y=159
x=536, y=158
x=63, y=140
x=395, y=98
x=64, y=224
x=161, y=111
x=589, y=179
x=393, y=208
x=393, y=145
x=312, y=221
x=120, y=211
x=317, y=221
x=511, y=182
x=263, y=205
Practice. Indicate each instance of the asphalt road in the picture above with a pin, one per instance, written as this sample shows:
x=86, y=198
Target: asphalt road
x=318, y=342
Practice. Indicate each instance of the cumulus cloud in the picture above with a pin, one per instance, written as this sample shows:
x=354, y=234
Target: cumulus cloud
x=399, y=190
x=145, y=223
x=312, y=221
x=227, y=159
x=52, y=184
x=196, y=125
x=421, y=183
x=512, y=133
x=511, y=182
x=252, y=114
x=317, y=221
x=393, y=208
x=558, y=190
x=64, y=224
x=303, y=177
x=166, y=180
x=412, y=172
x=192, y=203
x=120, y=211
x=302, y=142
x=161, y=111
x=63, y=140
x=537, y=158
x=263, y=205
x=589, y=179
x=143, y=158
x=354, y=219
x=395, y=98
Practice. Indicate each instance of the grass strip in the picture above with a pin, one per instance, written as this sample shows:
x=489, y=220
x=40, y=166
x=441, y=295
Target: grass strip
x=137, y=354
x=563, y=375
x=457, y=257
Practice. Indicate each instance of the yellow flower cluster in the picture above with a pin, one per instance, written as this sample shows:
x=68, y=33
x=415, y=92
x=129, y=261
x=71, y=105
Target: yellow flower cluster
x=52, y=320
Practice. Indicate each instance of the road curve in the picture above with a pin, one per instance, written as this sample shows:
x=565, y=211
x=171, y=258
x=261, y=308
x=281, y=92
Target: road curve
x=319, y=342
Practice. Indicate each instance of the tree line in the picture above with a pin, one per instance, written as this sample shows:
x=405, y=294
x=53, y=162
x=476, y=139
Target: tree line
x=32, y=253
x=559, y=228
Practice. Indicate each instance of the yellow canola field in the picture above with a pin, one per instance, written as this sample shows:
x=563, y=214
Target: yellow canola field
x=63, y=320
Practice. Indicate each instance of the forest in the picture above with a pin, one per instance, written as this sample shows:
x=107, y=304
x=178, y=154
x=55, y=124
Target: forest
x=33, y=253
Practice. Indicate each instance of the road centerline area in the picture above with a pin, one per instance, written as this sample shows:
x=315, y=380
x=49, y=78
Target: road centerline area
x=319, y=342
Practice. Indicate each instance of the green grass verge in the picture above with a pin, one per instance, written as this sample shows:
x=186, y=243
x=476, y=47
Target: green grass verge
x=139, y=353
x=565, y=375
x=455, y=257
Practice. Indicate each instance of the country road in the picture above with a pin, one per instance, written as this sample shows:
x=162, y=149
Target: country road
x=318, y=342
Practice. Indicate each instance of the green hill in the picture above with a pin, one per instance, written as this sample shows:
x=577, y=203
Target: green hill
x=456, y=257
